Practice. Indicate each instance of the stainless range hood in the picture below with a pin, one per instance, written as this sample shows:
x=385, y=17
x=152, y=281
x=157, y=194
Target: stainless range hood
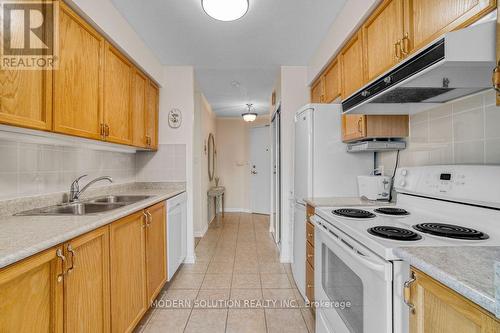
x=458, y=65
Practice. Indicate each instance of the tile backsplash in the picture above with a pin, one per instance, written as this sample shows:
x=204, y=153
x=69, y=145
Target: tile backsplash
x=465, y=131
x=28, y=169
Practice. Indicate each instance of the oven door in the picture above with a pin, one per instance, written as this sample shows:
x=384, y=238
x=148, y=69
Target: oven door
x=349, y=272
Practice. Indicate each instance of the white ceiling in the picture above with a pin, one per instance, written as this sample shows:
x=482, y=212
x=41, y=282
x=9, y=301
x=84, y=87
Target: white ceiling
x=248, y=51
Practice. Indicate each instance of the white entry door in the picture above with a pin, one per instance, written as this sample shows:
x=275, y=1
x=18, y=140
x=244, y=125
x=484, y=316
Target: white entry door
x=260, y=168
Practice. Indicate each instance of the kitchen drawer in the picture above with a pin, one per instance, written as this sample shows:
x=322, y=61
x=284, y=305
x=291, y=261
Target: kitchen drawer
x=310, y=254
x=310, y=282
x=310, y=232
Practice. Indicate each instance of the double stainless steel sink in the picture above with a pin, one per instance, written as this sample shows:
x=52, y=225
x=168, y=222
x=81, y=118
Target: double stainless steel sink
x=88, y=207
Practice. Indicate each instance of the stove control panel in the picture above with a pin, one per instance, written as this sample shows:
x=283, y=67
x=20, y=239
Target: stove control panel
x=472, y=183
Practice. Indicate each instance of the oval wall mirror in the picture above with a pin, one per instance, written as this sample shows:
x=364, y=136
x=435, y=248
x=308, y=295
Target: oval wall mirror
x=211, y=156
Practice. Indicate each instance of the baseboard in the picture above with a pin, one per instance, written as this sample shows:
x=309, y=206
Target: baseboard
x=237, y=210
x=190, y=260
x=202, y=232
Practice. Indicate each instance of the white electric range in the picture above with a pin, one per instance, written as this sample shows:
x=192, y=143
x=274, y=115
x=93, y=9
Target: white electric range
x=355, y=263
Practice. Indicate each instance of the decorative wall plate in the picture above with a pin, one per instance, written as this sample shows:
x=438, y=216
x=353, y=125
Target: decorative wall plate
x=175, y=118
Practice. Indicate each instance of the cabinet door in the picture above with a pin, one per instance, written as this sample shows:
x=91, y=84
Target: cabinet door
x=128, y=272
x=332, y=82
x=156, y=263
x=78, y=81
x=441, y=310
x=352, y=72
x=86, y=286
x=309, y=282
x=353, y=127
x=31, y=294
x=117, y=96
x=152, y=115
x=317, y=91
x=26, y=98
x=428, y=19
x=382, y=35
x=139, y=90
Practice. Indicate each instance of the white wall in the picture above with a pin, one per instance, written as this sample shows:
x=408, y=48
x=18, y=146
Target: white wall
x=348, y=20
x=465, y=131
x=294, y=93
x=108, y=20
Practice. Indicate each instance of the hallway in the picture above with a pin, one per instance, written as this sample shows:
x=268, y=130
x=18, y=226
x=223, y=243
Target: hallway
x=237, y=285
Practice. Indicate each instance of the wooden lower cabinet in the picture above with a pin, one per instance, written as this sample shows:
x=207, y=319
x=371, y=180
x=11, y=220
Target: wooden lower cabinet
x=31, y=294
x=128, y=272
x=439, y=309
x=156, y=254
x=309, y=282
x=86, y=283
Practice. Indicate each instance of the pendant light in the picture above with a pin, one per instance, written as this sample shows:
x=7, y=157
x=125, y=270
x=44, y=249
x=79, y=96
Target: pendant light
x=225, y=10
x=249, y=116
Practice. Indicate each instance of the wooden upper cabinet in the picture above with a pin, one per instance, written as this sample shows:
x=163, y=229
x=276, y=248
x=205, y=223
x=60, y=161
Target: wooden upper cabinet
x=128, y=272
x=31, y=294
x=153, y=99
x=429, y=19
x=156, y=260
x=26, y=98
x=139, y=101
x=331, y=80
x=353, y=127
x=117, y=96
x=383, y=38
x=317, y=91
x=86, y=284
x=357, y=127
x=351, y=63
x=78, y=81
x=439, y=309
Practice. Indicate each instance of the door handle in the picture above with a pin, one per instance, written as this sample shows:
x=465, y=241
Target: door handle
x=254, y=172
x=73, y=255
x=61, y=256
x=407, y=292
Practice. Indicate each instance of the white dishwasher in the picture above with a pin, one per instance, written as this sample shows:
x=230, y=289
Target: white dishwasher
x=176, y=232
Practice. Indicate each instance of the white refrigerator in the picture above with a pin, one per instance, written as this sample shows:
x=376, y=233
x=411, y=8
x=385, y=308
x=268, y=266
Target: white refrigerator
x=323, y=168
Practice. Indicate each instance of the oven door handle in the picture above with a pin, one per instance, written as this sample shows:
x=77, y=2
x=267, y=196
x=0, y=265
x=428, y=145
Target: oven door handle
x=353, y=251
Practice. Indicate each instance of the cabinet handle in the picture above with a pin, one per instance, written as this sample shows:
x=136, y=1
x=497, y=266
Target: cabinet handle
x=360, y=130
x=145, y=219
x=103, y=135
x=397, y=48
x=405, y=45
x=150, y=217
x=73, y=255
x=63, y=259
x=407, y=292
x=309, y=235
x=106, y=130
x=310, y=286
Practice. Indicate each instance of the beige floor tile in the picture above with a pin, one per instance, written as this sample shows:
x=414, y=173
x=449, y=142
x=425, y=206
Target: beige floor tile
x=217, y=281
x=245, y=298
x=212, y=298
x=241, y=267
x=207, y=321
x=299, y=298
x=223, y=258
x=285, y=321
x=280, y=298
x=168, y=321
x=275, y=281
x=199, y=267
x=271, y=268
x=187, y=281
x=220, y=268
x=309, y=319
x=246, y=281
x=176, y=298
x=246, y=321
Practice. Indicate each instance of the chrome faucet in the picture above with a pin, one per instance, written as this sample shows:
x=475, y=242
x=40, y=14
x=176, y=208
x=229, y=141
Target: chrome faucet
x=75, y=192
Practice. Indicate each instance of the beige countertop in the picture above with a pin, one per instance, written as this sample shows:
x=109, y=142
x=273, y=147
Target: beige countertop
x=23, y=236
x=343, y=202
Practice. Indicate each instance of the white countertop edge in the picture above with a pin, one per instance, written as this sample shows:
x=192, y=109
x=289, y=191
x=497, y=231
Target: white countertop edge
x=486, y=302
x=104, y=219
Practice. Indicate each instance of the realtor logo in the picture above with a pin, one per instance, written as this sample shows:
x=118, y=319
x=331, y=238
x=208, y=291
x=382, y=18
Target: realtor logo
x=29, y=35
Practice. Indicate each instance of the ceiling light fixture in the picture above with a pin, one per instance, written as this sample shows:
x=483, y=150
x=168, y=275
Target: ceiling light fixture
x=249, y=116
x=225, y=10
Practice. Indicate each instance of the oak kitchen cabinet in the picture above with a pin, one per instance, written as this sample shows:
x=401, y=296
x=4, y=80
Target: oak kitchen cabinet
x=117, y=96
x=317, y=91
x=31, y=294
x=331, y=82
x=156, y=253
x=309, y=254
x=440, y=309
x=352, y=66
x=86, y=283
x=153, y=93
x=382, y=38
x=139, y=102
x=357, y=127
x=78, y=81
